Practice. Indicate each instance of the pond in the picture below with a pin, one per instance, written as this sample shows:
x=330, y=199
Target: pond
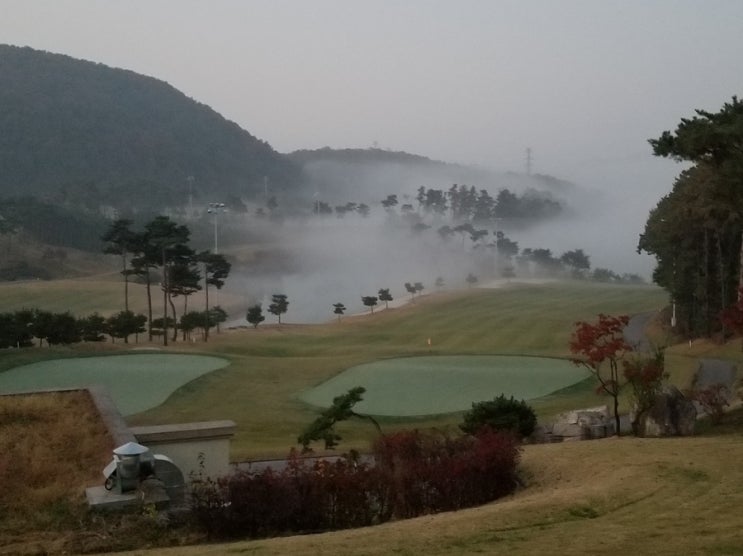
x=136, y=382
x=417, y=386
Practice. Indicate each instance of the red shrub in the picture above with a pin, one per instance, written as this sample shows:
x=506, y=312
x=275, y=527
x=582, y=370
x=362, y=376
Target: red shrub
x=713, y=399
x=437, y=473
x=412, y=474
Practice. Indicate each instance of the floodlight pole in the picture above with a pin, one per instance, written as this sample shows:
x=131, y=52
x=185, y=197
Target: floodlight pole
x=216, y=209
x=190, y=180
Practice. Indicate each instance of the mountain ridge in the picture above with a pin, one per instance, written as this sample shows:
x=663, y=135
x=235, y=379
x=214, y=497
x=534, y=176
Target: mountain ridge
x=66, y=120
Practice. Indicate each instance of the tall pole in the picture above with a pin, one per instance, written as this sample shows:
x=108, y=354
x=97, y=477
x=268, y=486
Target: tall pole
x=190, y=179
x=216, y=208
x=165, y=299
x=216, y=235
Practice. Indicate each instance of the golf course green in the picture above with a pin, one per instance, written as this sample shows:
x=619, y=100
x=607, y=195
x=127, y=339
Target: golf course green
x=417, y=386
x=136, y=382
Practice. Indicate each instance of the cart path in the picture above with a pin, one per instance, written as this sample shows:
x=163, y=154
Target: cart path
x=634, y=332
x=709, y=371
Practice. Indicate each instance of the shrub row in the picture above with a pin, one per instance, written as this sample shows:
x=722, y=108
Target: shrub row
x=410, y=474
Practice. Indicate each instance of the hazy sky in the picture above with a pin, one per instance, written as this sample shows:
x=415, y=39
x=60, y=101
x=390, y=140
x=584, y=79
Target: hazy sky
x=584, y=84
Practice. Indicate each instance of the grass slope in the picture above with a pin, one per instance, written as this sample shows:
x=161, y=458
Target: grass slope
x=605, y=497
x=272, y=365
x=611, y=497
x=102, y=293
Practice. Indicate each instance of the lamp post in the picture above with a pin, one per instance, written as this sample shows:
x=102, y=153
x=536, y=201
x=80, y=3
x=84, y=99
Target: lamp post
x=216, y=209
x=189, y=181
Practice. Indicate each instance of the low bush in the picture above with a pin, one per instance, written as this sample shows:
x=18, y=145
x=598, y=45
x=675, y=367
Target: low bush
x=410, y=474
x=427, y=473
x=501, y=413
x=713, y=400
x=304, y=497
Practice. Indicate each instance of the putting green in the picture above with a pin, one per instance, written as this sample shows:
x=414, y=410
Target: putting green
x=415, y=386
x=135, y=382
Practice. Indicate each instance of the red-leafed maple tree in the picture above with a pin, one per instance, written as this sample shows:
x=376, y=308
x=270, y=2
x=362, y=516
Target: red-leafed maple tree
x=599, y=346
x=645, y=374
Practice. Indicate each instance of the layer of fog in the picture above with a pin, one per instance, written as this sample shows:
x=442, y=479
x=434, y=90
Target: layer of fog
x=317, y=261
x=332, y=260
x=370, y=182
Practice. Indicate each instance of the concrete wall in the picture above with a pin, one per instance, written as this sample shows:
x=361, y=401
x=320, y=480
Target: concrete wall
x=183, y=443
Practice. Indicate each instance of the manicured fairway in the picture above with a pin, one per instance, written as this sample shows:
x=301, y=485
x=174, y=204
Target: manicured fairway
x=135, y=382
x=414, y=386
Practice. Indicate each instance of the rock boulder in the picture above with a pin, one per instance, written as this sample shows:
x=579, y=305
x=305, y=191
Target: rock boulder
x=583, y=424
x=672, y=414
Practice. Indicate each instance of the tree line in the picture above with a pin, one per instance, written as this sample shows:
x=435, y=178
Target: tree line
x=467, y=204
x=22, y=328
x=460, y=203
x=160, y=252
x=470, y=208
x=695, y=231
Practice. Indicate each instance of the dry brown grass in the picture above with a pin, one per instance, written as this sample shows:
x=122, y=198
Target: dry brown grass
x=54, y=445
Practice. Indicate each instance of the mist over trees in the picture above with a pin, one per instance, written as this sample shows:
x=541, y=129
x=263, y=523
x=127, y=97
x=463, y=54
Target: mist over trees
x=358, y=173
x=442, y=236
x=134, y=161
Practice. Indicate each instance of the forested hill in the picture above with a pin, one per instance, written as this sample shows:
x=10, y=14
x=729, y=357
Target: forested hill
x=365, y=174
x=363, y=156
x=72, y=127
